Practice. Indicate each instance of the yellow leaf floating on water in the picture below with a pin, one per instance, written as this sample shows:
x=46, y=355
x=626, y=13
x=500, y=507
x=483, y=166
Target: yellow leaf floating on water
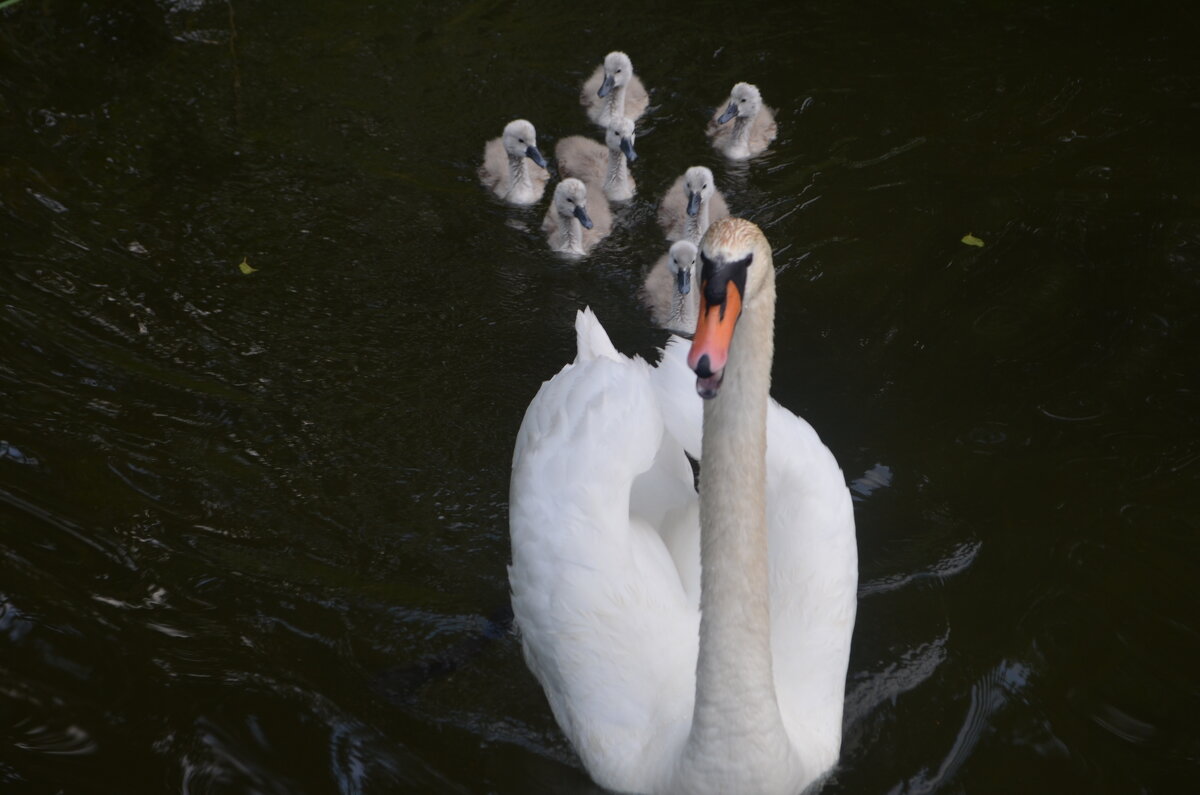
x=245, y=268
x=971, y=240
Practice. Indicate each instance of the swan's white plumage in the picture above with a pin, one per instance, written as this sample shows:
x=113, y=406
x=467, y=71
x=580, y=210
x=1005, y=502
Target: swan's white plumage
x=590, y=587
x=606, y=572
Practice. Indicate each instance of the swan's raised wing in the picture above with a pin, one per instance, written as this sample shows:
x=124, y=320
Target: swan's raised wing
x=604, y=620
x=675, y=387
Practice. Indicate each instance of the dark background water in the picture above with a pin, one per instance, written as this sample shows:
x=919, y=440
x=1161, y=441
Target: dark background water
x=253, y=528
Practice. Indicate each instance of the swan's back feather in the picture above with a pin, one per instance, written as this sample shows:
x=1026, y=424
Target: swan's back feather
x=591, y=340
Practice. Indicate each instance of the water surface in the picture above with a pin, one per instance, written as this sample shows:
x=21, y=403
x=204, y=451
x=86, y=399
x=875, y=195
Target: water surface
x=253, y=527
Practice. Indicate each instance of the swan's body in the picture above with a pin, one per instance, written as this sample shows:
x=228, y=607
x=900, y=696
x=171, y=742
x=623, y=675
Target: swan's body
x=513, y=167
x=578, y=219
x=603, y=167
x=690, y=205
x=682, y=656
x=743, y=126
x=613, y=91
x=670, y=289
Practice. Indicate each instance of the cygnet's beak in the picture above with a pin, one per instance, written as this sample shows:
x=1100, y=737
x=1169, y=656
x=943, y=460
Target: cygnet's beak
x=683, y=281
x=606, y=86
x=536, y=156
x=581, y=213
x=729, y=113
x=627, y=148
x=693, y=206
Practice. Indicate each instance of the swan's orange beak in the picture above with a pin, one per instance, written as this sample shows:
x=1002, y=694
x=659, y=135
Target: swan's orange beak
x=710, y=345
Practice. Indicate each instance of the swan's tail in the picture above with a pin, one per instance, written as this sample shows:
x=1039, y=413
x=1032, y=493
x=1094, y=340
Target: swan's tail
x=592, y=339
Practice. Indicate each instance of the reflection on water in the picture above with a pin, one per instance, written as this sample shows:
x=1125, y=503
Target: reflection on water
x=253, y=527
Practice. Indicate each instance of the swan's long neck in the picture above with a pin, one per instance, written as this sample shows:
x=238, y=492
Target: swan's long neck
x=519, y=181
x=737, y=737
x=695, y=226
x=616, y=181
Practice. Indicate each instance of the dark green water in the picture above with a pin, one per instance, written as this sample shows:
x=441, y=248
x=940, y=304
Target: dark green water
x=253, y=528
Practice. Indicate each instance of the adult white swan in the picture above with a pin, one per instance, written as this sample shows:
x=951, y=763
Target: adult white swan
x=740, y=689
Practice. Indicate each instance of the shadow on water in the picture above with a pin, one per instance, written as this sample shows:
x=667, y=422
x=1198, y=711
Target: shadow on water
x=253, y=526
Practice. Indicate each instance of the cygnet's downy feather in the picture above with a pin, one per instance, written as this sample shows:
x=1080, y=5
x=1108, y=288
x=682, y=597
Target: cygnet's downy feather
x=690, y=205
x=577, y=220
x=614, y=91
x=672, y=290
x=513, y=167
x=603, y=167
x=743, y=126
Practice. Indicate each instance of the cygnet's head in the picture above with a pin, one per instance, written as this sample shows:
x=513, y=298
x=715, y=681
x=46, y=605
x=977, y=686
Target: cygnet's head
x=698, y=186
x=620, y=136
x=570, y=199
x=618, y=69
x=745, y=101
x=520, y=140
x=735, y=269
x=681, y=262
